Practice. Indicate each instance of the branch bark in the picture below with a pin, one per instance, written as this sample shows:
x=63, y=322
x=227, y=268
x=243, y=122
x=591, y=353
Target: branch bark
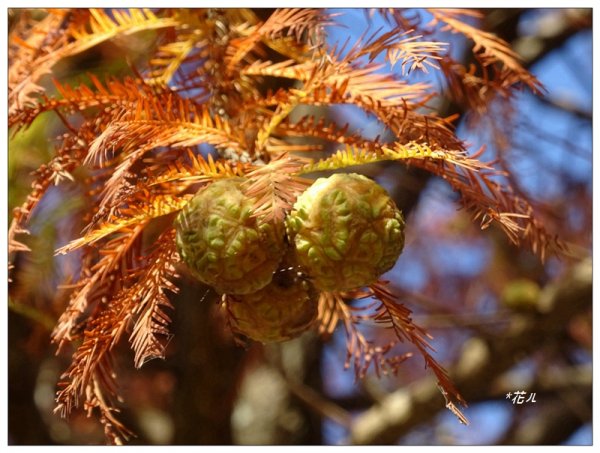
x=207, y=367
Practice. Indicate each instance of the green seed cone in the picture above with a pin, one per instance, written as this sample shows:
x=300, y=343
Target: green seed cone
x=223, y=245
x=347, y=231
x=280, y=311
x=521, y=294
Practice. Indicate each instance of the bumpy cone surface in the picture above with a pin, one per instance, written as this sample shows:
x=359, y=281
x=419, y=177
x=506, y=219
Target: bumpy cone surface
x=223, y=245
x=280, y=311
x=347, y=231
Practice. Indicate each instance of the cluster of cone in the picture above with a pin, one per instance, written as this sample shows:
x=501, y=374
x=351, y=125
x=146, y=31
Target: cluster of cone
x=343, y=232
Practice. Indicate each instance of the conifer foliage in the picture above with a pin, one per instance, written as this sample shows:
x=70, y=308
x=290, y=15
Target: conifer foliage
x=131, y=144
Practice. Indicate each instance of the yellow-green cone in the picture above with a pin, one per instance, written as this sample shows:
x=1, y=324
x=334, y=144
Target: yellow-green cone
x=347, y=231
x=280, y=311
x=223, y=245
x=521, y=294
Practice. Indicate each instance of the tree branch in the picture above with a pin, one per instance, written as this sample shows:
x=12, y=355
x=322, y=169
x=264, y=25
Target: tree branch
x=566, y=106
x=481, y=362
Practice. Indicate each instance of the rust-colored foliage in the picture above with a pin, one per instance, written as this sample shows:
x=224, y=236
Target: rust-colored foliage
x=204, y=83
